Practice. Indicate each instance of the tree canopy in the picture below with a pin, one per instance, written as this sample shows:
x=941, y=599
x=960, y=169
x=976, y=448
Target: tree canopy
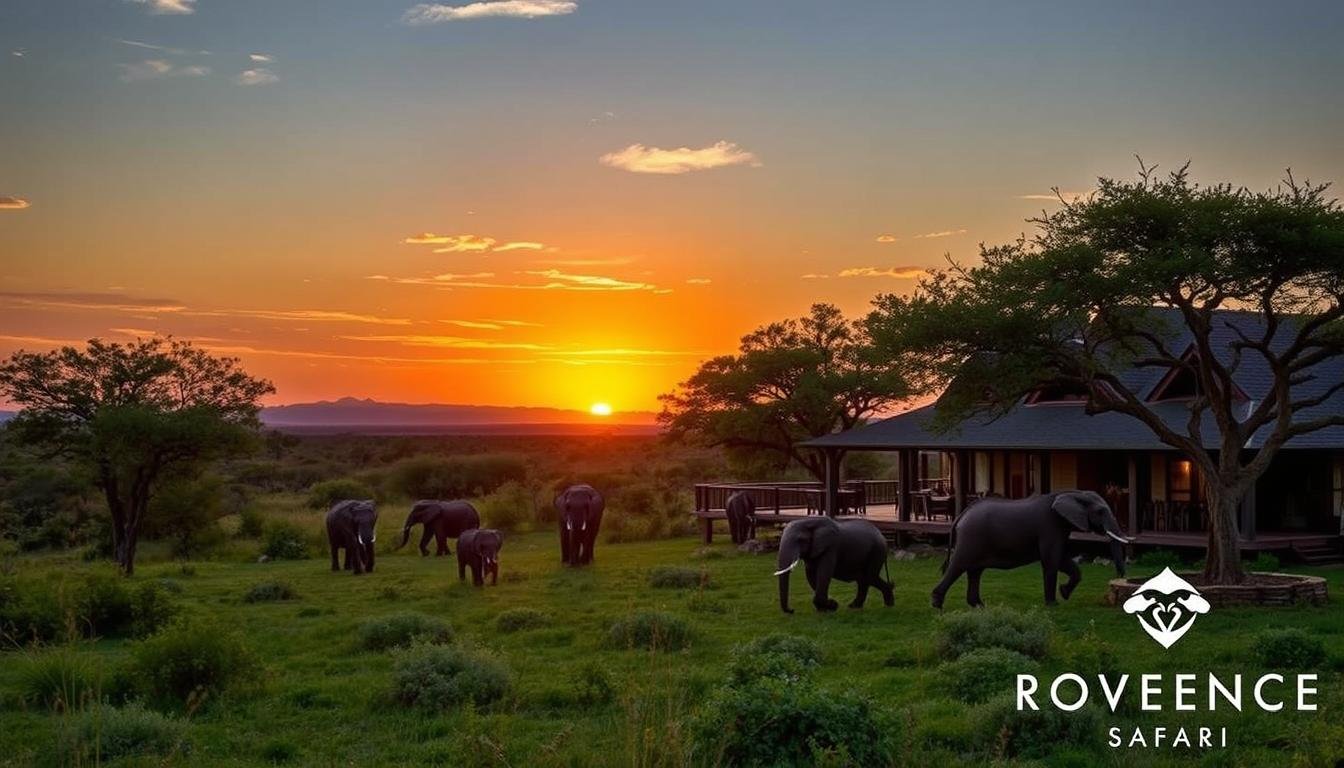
x=1070, y=307
x=790, y=381
x=136, y=413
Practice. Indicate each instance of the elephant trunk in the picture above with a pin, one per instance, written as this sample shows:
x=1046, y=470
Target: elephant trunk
x=1118, y=542
x=788, y=560
x=406, y=529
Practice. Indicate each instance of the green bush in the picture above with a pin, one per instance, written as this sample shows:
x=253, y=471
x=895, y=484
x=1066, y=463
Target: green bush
x=251, y=523
x=650, y=630
x=103, y=605
x=1004, y=731
x=270, y=591
x=152, y=607
x=510, y=507
x=454, y=477
x=327, y=492
x=517, y=619
x=285, y=541
x=279, y=751
x=187, y=665
x=109, y=733
x=30, y=612
x=592, y=685
x=400, y=630
x=677, y=577
x=959, y=633
x=984, y=672
x=1288, y=648
x=1264, y=562
x=1157, y=559
x=776, y=656
x=61, y=679
x=185, y=512
x=773, y=723
x=444, y=677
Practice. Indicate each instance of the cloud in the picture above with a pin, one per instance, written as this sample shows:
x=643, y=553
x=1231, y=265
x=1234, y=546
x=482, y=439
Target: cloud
x=19, y=52
x=814, y=276
x=885, y=239
x=944, y=233
x=554, y=279
x=698, y=281
x=613, y=262
x=304, y=315
x=162, y=7
x=522, y=245
x=903, y=273
x=157, y=69
x=638, y=158
x=471, y=243
x=491, y=325
x=256, y=76
x=261, y=58
x=436, y=13
x=163, y=48
x=11, y=203
x=1056, y=194
x=448, y=342
x=588, y=282
x=103, y=301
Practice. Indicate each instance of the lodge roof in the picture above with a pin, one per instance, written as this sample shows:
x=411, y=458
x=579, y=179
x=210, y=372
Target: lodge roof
x=1066, y=425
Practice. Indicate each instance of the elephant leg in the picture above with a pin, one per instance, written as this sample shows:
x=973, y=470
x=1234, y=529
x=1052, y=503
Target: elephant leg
x=1050, y=572
x=888, y=592
x=461, y=566
x=950, y=576
x=861, y=595
x=441, y=539
x=973, y=588
x=822, y=599
x=751, y=528
x=424, y=541
x=335, y=557
x=1070, y=569
x=564, y=544
x=494, y=575
x=732, y=528
x=476, y=577
x=349, y=554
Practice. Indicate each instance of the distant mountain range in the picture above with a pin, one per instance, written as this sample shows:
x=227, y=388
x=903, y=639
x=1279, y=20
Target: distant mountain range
x=370, y=416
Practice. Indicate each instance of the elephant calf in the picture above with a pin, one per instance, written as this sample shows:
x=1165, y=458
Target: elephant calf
x=741, y=511
x=351, y=526
x=478, y=549
x=848, y=550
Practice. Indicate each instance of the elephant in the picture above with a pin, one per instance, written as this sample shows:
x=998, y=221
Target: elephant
x=580, y=508
x=741, y=510
x=1007, y=533
x=848, y=550
x=478, y=549
x=443, y=520
x=351, y=525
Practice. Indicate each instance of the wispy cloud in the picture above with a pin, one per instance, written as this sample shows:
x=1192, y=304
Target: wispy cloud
x=162, y=48
x=436, y=13
x=698, y=281
x=19, y=52
x=256, y=76
x=1056, y=194
x=885, y=239
x=447, y=342
x=471, y=243
x=903, y=273
x=943, y=233
x=814, y=276
x=167, y=6
x=261, y=58
x=157, y=69
x=103, y=301
x=11, y=203
x=303, y=315
x=588, y=282
x=552, y=279
x=612, y=262
x=522, y=245
x=491, y=325
x=638, y=158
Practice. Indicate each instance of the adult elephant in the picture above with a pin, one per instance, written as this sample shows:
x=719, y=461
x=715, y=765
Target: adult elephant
x=580, y=508
x=847, y=550
x=351, y=525
x=741, y=511
x=443, y=520
x=478, y=549
x=1007, y=533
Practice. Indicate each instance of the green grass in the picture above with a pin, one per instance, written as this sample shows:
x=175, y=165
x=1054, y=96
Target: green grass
x=322, y=700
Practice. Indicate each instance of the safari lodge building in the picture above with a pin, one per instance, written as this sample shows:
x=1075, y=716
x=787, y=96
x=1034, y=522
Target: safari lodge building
x=1047, y=442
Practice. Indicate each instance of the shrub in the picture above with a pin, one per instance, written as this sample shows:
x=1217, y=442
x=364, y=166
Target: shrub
x=270, y=591
x=186, y=665
x=103, y=605
x=773, y=723
x=285, y=541
x=454, y=477
x=152, y=608
x=443, y=677
x=1288, y=648
x=327, y=492
x=984, y=672
x=1264, y=561
x=516, y=619
x=677, y=577
x=31, y=612
x=400, y=630
x=108, y=733
x=277, y=751
x=185, y=512
x=1004, y=731
x=650, y=630
x=1026, y=633
x=775, y=656
x=60, y=679
x=592, y=685
x=251, y=523
x=1157, y=559
x=510, y=508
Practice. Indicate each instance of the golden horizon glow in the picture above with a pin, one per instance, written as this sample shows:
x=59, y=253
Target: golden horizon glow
x=600, y=409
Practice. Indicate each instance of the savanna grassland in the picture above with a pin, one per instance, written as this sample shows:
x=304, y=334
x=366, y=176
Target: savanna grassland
x=208, y=656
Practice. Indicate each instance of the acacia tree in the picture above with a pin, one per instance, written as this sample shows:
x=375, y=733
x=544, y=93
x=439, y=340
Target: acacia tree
x=790, y=381
x=136, y=413
x=1097, y=290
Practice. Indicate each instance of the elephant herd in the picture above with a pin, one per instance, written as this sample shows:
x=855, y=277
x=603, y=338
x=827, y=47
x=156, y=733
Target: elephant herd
x=992, y=533
x=351, y=526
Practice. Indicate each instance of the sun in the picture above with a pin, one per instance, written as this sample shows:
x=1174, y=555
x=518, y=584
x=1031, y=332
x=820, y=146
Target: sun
x=600, y=409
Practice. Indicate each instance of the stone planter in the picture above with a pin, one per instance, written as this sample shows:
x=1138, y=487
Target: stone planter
x=1258, y=589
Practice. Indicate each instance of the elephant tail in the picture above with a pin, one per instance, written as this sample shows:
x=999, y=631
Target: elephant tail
x=951, y=539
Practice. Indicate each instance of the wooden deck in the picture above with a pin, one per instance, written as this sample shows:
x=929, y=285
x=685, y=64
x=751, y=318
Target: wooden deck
x=886, y=518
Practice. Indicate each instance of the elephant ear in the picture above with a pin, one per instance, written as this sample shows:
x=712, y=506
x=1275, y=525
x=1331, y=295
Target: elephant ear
x=596, y=503
x=825, y=534
x=1071, y=508
x=560, y=501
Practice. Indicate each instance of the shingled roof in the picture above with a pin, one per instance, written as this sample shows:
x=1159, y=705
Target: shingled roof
x=1065, y=425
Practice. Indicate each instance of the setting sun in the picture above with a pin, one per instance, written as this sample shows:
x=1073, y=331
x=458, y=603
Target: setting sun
x=600, y=409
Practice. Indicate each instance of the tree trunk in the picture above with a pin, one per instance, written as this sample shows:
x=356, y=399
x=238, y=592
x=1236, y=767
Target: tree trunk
x=1223, y=564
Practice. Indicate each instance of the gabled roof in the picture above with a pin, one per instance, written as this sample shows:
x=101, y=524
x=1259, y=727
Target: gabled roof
x=1067, y=426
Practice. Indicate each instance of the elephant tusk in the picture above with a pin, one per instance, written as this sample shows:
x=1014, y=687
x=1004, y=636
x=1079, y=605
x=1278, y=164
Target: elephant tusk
x=360, y=538
x=569, y=525
x=790, y=568
x=1119, y=538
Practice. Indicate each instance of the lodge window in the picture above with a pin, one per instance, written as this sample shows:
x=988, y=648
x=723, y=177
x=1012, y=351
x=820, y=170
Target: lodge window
x=1182, y=483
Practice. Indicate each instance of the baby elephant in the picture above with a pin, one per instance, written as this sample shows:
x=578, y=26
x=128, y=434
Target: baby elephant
x=478, y=549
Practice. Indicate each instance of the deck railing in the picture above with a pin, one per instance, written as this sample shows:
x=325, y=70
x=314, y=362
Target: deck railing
x=777, y=497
